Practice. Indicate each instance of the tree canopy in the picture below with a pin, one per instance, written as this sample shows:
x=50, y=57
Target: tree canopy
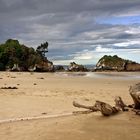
x=43, y=49
x=12, y=52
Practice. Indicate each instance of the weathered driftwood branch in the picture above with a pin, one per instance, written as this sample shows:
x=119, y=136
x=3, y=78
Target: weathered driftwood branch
x=135, y=94
x=120, y=104
x=108, y=110
x=93, y=108
x=104, y=108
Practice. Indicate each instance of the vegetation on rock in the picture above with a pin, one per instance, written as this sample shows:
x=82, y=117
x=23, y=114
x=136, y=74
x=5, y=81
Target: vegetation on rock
x=111, y=62
x=12, y=54
x=116, y=63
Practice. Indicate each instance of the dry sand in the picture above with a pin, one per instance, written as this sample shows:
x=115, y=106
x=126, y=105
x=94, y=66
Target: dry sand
x=50, y=96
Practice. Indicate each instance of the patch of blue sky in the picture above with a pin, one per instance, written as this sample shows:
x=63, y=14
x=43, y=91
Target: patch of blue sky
x=125, y=20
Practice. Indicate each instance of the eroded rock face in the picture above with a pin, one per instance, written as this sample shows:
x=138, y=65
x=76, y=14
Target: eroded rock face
x=15, y=68
x=44, y=66
x=132, y=67
x=76, y=68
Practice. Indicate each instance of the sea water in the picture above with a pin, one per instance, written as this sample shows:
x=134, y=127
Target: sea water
x=126, y=75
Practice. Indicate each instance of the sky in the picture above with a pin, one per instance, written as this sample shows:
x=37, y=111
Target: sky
x=76, y=30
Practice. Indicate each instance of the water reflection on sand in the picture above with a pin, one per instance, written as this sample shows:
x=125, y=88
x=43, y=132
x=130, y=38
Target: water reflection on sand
x=127, y=75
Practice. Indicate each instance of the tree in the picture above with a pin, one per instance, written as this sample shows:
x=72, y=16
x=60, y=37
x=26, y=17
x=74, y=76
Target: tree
x=43, y=49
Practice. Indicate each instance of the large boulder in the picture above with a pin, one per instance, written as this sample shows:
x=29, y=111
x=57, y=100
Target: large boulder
x=76, y=67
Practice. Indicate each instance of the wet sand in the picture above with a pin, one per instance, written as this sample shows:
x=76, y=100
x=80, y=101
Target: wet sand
x=52, y=94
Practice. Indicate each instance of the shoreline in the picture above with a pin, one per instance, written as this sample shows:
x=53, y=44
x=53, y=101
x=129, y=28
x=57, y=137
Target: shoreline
x=101, y=74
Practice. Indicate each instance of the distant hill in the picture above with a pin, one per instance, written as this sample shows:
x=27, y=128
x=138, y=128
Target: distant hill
x=115, y=63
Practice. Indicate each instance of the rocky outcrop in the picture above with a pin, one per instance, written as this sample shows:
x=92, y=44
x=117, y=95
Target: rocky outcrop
x=115, y=63
x=44, y=66
x=17, y=57
x=132, y=66
x=59, y=68
x=76, y=67
x=110, y=63
x=15, y=68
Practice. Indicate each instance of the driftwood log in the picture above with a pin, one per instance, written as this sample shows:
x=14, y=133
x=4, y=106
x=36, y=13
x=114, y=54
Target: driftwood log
x=120, y=104
x=135, y=94
x=108, y=110
x=103, y=107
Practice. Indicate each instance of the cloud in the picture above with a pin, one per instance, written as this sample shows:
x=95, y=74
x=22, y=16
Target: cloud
x=134, y=31
x=84, y=55
x=128, y=43
x=72, y=27
x=99, y=49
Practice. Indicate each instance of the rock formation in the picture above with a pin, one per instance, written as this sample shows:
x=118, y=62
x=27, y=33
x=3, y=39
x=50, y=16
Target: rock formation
x=132, y=66
x=115, y=63
x=15, y=68
x=59, y=68
x=44, y=66
x=17, y=57
x=76, y=67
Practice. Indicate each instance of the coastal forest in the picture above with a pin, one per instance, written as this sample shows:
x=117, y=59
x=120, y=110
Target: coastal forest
x=12, y=52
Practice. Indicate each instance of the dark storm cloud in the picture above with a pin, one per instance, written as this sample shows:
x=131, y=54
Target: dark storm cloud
x=54, y=6
x=70, y=26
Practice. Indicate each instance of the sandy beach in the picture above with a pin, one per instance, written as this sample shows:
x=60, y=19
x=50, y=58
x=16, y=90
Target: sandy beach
x=42, y=106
